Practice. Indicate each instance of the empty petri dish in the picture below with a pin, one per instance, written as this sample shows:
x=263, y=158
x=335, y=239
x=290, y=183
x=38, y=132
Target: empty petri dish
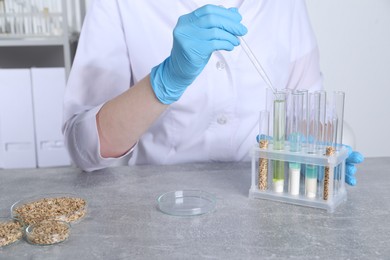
x=186, y=202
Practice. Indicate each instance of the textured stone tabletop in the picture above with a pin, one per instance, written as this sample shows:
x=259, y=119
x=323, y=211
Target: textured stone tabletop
x=123, y=221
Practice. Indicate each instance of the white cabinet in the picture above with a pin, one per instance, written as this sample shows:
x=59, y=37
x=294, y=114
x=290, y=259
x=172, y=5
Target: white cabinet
x=48, y=86
x=31, y=117
x=16, y=119
x=37, y=43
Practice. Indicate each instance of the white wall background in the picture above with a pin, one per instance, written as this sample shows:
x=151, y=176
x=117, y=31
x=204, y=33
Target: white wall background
x=354, y=42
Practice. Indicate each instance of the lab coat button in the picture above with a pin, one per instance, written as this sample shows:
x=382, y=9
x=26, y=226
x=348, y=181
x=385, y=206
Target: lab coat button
x=220, y=65
x=222, y=120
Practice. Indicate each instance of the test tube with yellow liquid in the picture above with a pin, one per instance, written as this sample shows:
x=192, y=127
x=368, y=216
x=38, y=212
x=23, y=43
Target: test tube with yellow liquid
x=279, y=136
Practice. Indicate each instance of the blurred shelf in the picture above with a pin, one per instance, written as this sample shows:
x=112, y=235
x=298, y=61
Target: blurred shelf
x=13, y=41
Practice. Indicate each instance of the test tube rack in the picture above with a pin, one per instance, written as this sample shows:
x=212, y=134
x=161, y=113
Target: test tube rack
x=333, y=185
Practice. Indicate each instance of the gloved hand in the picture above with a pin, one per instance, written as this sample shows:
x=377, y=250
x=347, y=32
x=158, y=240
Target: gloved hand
x=263, y=137
x=196, y=36
x=353, y=158
x=350, y=168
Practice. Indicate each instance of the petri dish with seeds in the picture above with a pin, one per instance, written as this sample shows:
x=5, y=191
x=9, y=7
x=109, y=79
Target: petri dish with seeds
x=47, y=232
x=11, y=231
x=186, y=202
x=67, y=207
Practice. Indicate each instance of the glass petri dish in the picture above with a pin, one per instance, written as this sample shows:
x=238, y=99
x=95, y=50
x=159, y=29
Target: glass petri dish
x=66, y=207
x=48, y=232
x=11, y=231
x=186, y=202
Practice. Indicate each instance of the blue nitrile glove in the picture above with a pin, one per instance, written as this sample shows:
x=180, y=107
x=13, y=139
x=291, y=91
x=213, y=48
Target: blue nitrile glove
x=350, y=165
x=196, y=36
x=263, y=137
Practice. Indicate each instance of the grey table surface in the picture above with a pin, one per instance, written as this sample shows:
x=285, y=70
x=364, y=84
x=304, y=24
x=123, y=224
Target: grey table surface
x=123, y=221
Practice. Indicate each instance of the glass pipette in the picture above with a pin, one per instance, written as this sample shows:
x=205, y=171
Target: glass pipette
x=256, y=64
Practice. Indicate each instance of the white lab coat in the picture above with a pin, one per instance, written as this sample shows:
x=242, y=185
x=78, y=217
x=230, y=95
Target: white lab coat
x=216, y=119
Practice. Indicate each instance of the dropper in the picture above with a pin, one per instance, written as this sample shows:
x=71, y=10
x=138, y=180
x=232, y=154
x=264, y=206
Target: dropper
x=256, y=64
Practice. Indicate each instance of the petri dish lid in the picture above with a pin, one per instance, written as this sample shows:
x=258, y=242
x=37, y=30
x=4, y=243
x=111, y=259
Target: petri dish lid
x=186, y=202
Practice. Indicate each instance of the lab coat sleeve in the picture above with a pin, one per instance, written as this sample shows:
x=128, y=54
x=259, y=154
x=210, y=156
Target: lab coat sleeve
x=305, y=70
x=101, y=71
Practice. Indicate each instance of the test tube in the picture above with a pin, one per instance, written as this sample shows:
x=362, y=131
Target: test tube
x=2, y=17
x=322, y=122
x=263, y=144
x=46, y=20
x=288, y=108
x=295, y=118
x=36, y=21
x=338, y=100
x=311, y=173
x=328, y=187
x=305, y=119
x=12, y=18
x=279, y=128
x=338, y=103
x=2, y=9
x=314, y=122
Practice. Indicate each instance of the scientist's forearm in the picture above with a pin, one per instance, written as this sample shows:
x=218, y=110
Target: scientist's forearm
x=122, y=120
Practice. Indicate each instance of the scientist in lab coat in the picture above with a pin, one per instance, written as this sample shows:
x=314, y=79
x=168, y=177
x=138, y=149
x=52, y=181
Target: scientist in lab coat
x=167, y=83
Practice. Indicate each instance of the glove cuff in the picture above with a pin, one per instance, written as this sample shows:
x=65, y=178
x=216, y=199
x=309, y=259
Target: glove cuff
x=165, y=89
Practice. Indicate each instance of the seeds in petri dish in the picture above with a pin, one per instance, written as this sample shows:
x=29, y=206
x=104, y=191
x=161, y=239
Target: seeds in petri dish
x=66, y=209
x=48, y=232
x=10, y=231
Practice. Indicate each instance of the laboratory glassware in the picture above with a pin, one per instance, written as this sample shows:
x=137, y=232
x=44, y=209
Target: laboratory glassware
x=279, y=128
x=263, y=144
x=295, y=118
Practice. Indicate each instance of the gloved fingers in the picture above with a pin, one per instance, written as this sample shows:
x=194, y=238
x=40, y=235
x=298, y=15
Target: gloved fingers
x=212, y=16
x=216, y=34
x=208, y=33
x=350, y=169
x=263, y=137
x=222, y=45
x=355, y=157
x=209, y=9
x=351, y=180
x=223, y=23
x=208, y=48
